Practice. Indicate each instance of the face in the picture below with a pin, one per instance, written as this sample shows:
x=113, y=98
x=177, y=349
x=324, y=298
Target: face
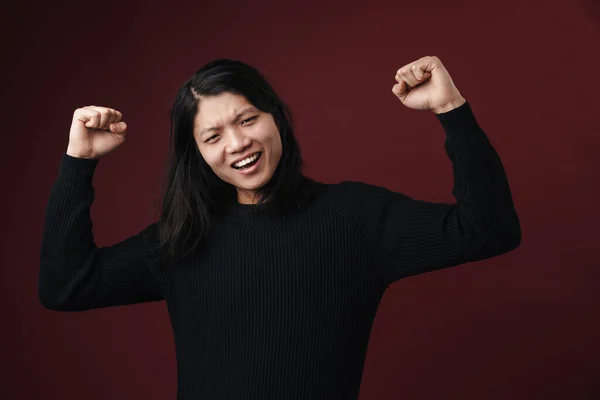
x=239, y=142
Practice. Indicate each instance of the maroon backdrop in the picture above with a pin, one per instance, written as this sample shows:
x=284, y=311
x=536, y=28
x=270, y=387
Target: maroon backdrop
x=521, y=326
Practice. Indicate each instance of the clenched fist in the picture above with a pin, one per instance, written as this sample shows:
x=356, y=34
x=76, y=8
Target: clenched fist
x=95, y=132
x=425, y=84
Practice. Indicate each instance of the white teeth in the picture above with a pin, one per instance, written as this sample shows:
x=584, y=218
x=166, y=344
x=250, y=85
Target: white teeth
x=246, y=161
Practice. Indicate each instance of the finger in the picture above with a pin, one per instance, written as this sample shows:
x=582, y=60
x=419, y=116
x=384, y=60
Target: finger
x=400, y=89
x=405, y=82
x=105, y=116
x=409, y=75
x=420, y=72
x=114, y=116
x=89, y=117
x=399, y=78
x=118, y=127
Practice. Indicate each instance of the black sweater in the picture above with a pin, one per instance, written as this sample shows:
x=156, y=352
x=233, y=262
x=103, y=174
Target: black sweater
x=282, y=308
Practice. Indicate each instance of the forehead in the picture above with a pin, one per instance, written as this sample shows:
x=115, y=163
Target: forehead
x=220, y=109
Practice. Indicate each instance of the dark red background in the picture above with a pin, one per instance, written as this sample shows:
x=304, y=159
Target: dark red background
x=520, y=326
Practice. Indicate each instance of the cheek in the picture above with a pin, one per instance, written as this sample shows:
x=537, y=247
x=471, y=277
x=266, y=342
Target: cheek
x=277, y=148
x=211, y=158
x=206, y=151
x=271, y=138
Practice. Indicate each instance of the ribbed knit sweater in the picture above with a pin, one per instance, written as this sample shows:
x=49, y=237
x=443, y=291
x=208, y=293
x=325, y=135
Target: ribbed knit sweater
x=282, y=308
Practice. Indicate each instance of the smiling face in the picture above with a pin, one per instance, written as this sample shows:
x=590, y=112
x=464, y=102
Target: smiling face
x=239, y=142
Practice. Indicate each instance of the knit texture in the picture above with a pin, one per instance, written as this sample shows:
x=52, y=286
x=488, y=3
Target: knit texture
x=282, y=307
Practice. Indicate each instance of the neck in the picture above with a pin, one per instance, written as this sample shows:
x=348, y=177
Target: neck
x=247, y=196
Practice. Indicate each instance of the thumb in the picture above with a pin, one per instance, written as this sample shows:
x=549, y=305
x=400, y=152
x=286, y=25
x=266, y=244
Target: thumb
x=399, y=89
x=118, y=127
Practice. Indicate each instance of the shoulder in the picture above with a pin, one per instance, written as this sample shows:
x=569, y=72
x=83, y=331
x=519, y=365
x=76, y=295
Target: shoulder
x=348, y=188
x=355, y=194
x=361, y=203
x=366, y=205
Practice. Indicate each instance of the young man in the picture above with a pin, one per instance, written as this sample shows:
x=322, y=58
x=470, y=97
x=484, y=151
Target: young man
x=272, y=280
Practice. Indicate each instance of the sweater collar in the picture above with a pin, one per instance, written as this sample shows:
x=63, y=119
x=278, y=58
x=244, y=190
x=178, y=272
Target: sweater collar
x=246, y=209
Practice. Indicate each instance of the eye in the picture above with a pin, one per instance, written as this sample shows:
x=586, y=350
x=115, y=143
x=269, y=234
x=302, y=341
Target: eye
x=210, y=138
x=250, y=119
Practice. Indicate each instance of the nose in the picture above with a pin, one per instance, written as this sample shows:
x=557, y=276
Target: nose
x=237, y=141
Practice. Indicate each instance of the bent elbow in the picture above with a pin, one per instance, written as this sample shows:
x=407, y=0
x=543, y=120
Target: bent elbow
x=50, y=301
x=55, y=296
x=50, y=304
x=518, y=236
x=509, y=244
x=513, y=237
x=505, y=243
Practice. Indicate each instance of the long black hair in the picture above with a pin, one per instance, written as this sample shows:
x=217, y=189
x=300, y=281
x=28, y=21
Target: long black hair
x=194, y=196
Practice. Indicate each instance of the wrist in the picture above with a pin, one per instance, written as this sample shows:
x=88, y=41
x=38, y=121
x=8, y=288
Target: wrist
x=77, y=154
x=449, y=106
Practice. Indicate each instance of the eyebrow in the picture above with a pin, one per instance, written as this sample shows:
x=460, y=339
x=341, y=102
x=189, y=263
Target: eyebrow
x=235, y=119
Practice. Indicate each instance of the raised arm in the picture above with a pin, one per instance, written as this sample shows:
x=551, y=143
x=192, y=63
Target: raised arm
x=415, y=236
x=74, y=273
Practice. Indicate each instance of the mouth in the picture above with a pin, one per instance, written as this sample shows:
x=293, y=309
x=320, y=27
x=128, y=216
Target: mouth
x=248, y=162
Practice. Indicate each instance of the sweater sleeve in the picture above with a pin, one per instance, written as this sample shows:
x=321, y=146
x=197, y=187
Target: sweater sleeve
x=77, y=275
x=415, y=236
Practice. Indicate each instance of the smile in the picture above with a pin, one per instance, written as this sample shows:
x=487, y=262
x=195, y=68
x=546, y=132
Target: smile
x=247, y=162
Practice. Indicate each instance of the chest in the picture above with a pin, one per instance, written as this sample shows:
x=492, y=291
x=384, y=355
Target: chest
x=250, y=266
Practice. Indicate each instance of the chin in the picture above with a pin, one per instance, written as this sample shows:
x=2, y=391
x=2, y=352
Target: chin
x=251, y=186
x=254, y=183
